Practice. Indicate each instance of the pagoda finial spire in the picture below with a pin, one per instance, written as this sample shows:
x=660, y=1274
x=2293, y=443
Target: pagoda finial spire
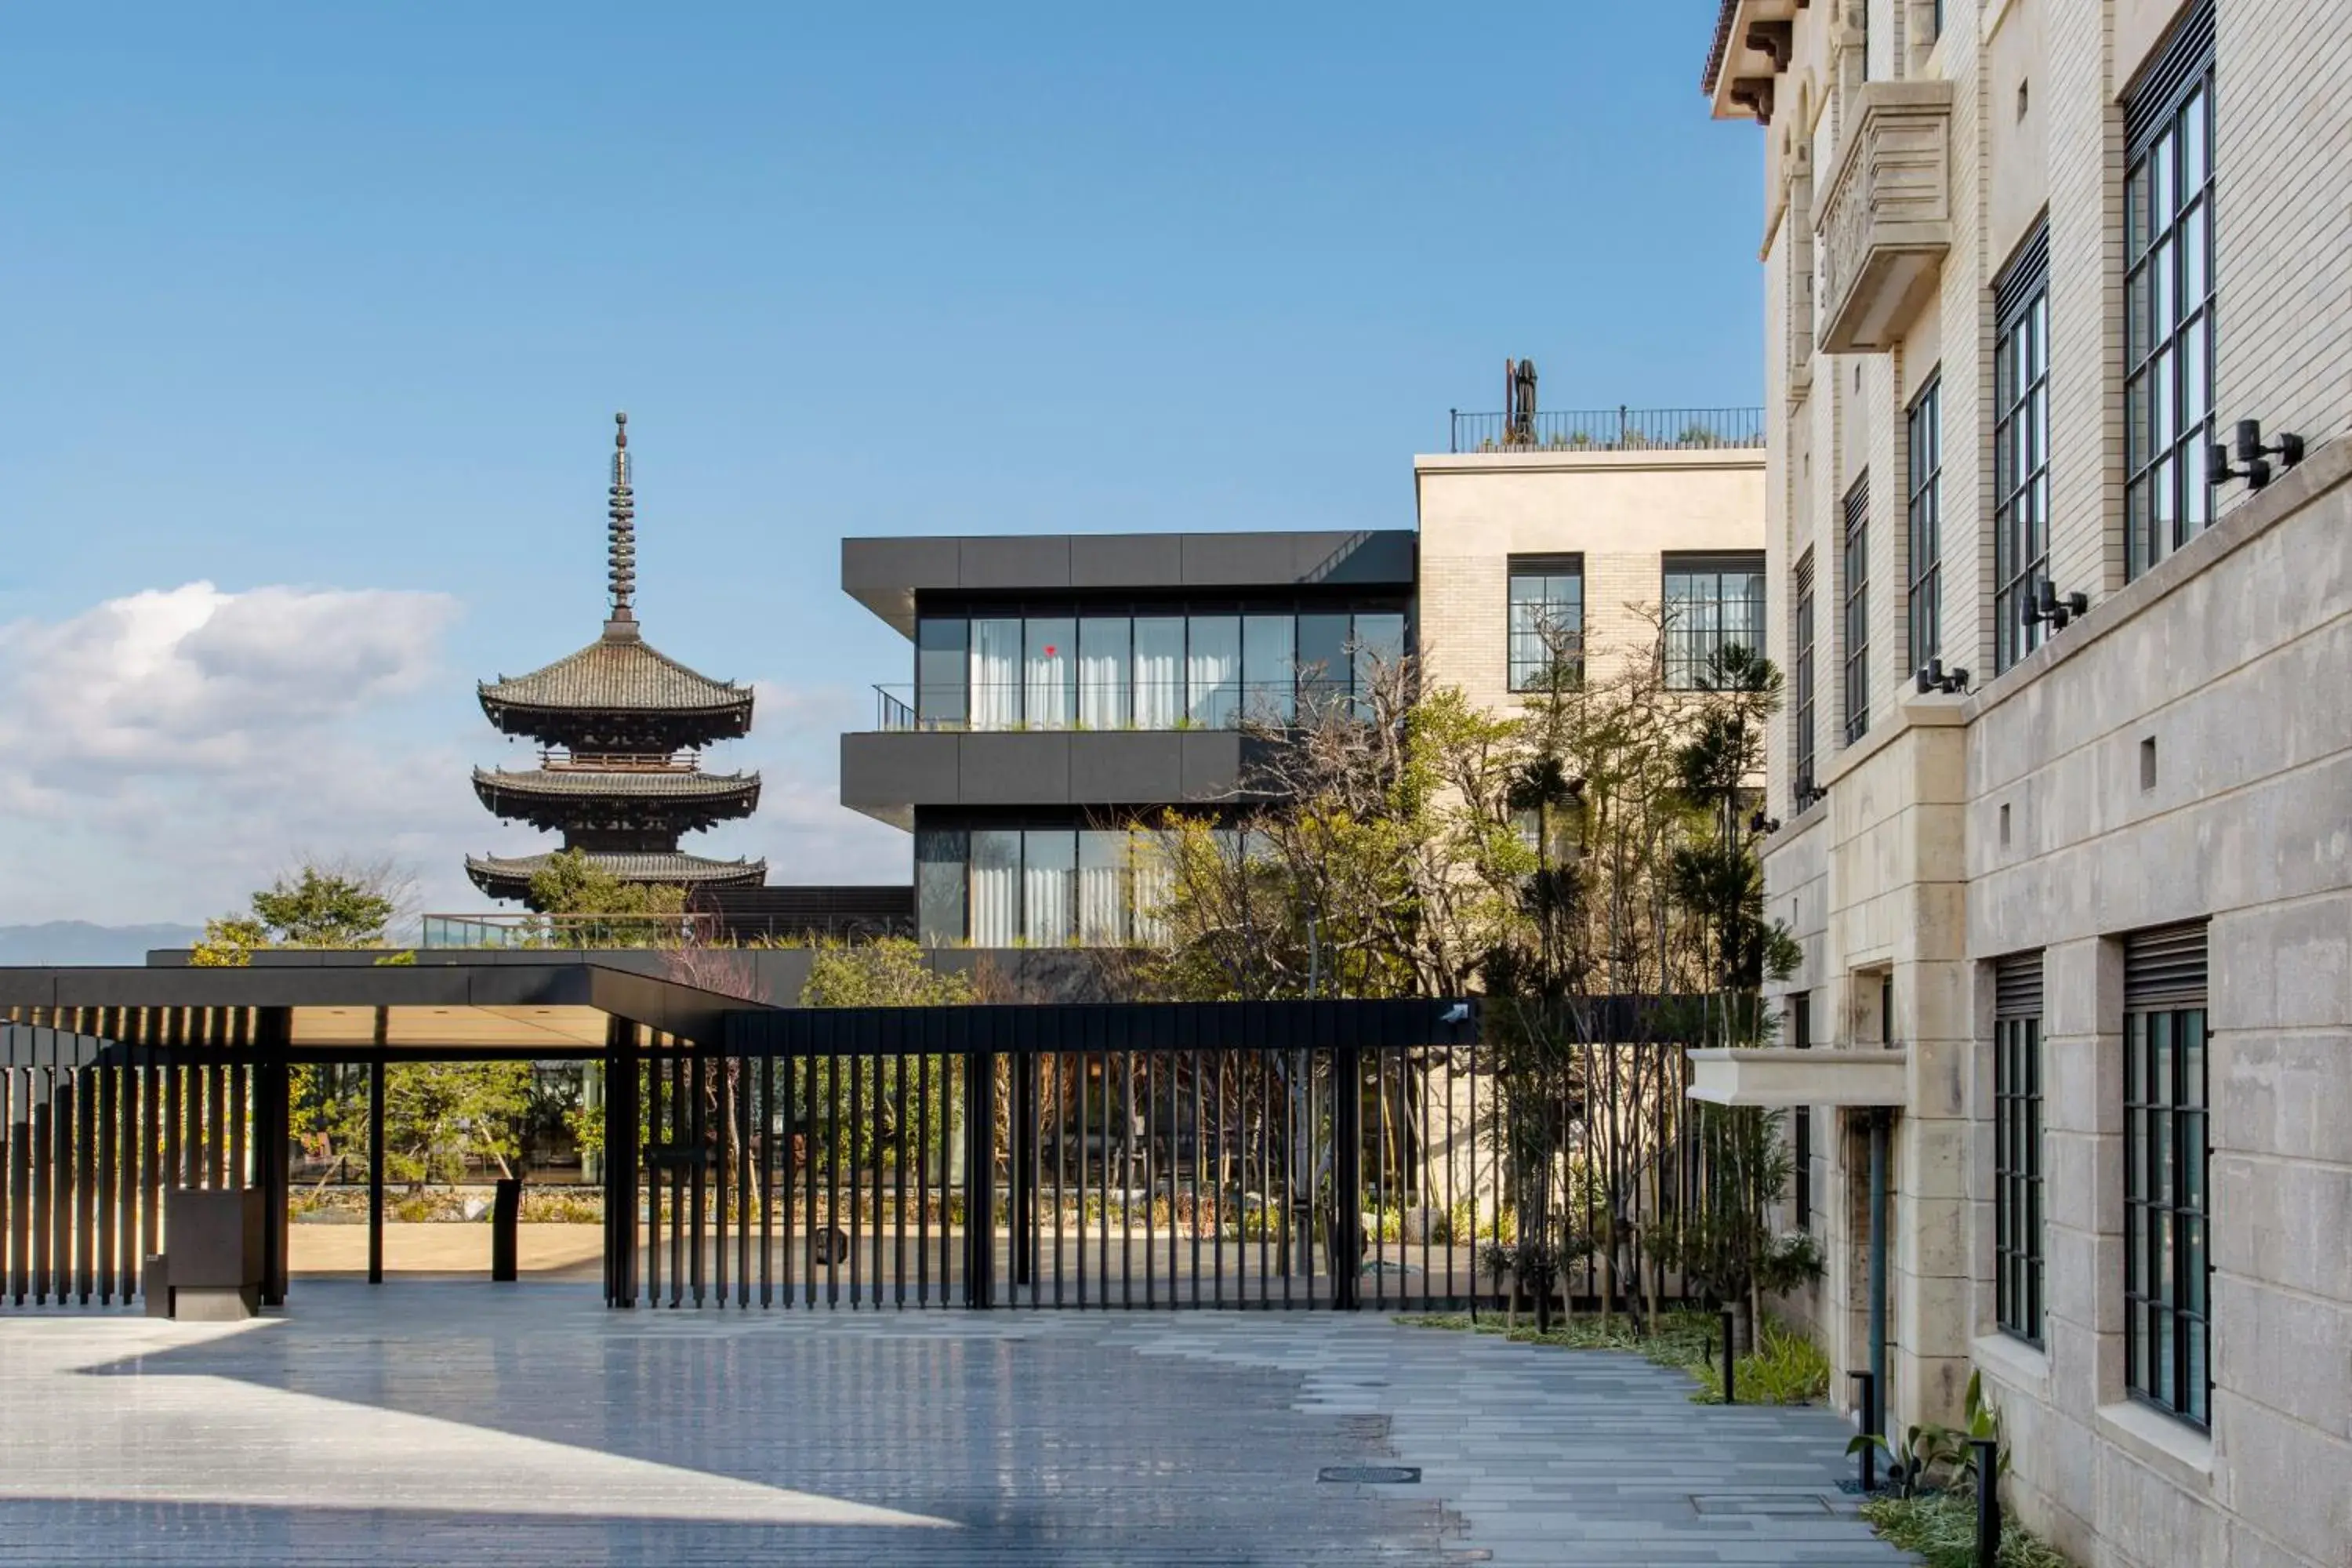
x=622, y=532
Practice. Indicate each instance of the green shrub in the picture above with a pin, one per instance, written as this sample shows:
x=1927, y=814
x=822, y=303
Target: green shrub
x=1941, y=1527
x=1785, y=1368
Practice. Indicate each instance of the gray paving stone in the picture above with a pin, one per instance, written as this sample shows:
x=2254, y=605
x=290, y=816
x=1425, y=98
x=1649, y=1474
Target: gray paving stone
x=471, y=1425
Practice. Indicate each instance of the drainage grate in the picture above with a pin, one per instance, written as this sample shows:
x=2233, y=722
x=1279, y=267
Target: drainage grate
x=1371, y=1475
x=1762, y=1505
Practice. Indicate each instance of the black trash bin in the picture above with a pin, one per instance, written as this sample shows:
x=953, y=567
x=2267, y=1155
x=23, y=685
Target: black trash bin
x=506, y=1218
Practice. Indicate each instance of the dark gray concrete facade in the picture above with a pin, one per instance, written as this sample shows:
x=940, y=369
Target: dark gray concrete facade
x=887, y=575
x=892, y=775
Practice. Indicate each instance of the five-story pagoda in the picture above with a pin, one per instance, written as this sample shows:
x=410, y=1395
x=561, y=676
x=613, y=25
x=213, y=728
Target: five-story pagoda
x=620, y=728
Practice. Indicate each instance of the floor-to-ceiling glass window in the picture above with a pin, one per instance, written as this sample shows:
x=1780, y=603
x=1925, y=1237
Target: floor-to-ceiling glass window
x=1104, y=895
x=1269, y=668
x=1159, y=672
x=1105, y=671
x=1323, y=661
x=1378, y=653
x=996, y=673
x=942, y=680
x=942, y=886
x=1050, y=673
x=995, y=886
x=1049, y=871
x=1213, y=668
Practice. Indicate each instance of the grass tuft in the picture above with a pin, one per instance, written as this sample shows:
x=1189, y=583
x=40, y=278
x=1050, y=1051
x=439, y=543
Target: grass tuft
x=1941, y=1527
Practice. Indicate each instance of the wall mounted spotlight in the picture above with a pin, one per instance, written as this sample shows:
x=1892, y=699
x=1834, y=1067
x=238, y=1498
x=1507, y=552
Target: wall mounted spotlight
x=2251, y=454
x=1760, y=823
x=1932, y=676
x=2047, y=605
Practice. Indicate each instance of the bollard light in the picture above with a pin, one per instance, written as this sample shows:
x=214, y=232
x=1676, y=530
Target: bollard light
x=1988, y=1498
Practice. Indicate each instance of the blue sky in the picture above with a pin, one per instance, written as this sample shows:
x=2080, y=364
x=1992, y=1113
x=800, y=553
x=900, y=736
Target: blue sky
x=337, y=303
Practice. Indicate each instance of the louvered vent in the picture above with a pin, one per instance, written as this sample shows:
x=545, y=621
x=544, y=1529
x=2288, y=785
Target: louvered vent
x=2165, y=968
x=2017, y=987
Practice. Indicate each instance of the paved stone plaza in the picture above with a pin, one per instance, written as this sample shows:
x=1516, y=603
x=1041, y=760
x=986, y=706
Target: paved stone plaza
x=466, y=1424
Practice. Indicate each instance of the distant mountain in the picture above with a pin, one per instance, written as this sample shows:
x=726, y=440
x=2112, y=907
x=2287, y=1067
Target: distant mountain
x=78, y=941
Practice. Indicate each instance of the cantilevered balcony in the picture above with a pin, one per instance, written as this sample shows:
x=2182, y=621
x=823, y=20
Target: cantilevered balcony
x=1886, y=219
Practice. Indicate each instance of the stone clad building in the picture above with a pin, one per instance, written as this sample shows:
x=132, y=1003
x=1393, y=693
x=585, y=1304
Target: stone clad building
x=1595, y=541
x=2029, y=265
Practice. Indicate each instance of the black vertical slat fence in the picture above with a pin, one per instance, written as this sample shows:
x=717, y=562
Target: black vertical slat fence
x=1130, y=1157
x=103, y=1110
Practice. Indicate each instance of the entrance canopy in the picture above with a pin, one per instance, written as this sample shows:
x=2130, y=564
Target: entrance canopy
x=347, y=1009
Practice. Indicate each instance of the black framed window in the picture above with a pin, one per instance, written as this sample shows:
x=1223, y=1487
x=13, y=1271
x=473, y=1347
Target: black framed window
x=1546, y=624
x=1801, y=730
x=1712, y=603
x=1926, y=601
x=2166, y=1268
x=2017, y=1146
x=1857, y=610
x=2021, y=449
x=1139, y=667
x=1800, y=1119
x=2168, y=296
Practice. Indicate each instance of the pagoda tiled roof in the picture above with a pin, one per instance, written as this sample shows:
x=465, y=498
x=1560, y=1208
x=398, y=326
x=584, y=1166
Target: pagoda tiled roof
x=619, y=672
x=492, y=872
x=602, y=783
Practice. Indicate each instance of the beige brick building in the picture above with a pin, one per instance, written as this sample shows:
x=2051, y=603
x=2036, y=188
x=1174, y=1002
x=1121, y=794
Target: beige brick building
x=1522, y=551
x=2026, y=262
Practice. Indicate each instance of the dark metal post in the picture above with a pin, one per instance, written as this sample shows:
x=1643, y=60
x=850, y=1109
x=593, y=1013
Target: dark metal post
x=1730, y=1357
x=1988, y=1498
x=505, y=1216
x=1347, y=1178
x=1869, y=1411
x=1022, y=1221
x=621, y=1162
x=375, y=1172
x=273, y=1138
x=980, y=1179
x=1878, y=1120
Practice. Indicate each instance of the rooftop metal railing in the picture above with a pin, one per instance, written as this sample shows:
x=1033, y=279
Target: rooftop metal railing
x=566, y=931
x=1609, y=430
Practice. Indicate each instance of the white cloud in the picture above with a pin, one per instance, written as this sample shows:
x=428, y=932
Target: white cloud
x=194, y=680
x=164, y=754
x=161, y=752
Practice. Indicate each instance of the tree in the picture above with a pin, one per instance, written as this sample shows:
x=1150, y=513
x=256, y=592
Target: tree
x=325, y=907
x=890, y=973
x=332, y=903
x=572, y=884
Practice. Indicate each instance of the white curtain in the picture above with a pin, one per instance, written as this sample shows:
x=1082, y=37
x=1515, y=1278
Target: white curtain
x=1051, y=863
x=1102, y=887
x=1213, y=670
x=995, y=674
x=995, y=887
x=1159, y=672
x=1050, y=672
x=1104, y=652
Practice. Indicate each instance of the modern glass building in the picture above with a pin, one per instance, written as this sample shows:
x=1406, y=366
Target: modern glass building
x=1069, y=690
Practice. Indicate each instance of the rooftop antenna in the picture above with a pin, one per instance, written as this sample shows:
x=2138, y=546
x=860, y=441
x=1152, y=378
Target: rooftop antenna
x=621, y=536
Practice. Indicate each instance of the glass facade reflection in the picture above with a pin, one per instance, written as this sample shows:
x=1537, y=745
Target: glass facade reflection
x=1147, y=670
x=1040, y=887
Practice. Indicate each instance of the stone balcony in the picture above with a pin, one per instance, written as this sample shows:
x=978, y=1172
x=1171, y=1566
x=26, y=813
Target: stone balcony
x=1886, y=219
